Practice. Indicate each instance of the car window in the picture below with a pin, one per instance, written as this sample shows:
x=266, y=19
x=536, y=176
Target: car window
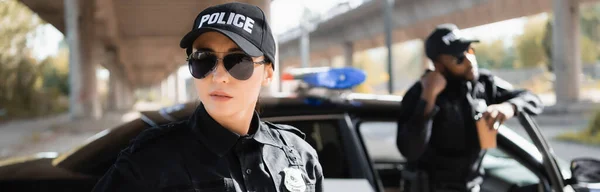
x=380, y=140
x=324, y=136
x=513, y=124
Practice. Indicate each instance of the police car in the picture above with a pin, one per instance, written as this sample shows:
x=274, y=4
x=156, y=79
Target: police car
x=354, y=135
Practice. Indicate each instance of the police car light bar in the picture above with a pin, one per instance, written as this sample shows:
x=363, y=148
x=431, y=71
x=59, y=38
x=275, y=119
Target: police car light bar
x=329, y=78
x=336, y=78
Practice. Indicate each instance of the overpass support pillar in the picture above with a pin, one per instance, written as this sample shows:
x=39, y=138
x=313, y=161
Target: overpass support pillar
x=120, y=94
x=113, y=94
x=180, y=93
x=171, y=88
x=348, y=54
x=164, y=90
x=565, y=51
x=83, y=98
x=125, y=100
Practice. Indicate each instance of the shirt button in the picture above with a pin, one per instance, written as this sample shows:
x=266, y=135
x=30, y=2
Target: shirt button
x=248, y=171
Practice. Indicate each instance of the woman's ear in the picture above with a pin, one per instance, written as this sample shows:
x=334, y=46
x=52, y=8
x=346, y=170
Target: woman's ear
x=268, y=77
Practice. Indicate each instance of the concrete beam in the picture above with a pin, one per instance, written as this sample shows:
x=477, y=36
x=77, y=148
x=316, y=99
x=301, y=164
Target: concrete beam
x=107, y=15
x=51, y=11
x=370, y=23
x=412, y=19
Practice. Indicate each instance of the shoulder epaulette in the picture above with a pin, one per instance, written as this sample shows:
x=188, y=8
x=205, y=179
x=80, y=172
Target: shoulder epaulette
x=287, y=128
x=153, y=133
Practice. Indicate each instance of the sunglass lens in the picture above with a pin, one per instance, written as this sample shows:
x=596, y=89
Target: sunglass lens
x=460, y=59
x=201, y=64
x=239, y=66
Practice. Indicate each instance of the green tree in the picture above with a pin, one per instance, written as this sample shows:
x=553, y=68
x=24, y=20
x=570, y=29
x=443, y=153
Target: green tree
x=18, y=22
x=590, y=30
x=590, y=21
x=491, y=54
x=24, y=92
x=589, y=41
x=56, y=72
x=529, y=46
x=547, y=44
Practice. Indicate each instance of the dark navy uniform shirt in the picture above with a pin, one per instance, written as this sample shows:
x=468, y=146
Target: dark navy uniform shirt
x=201, y=155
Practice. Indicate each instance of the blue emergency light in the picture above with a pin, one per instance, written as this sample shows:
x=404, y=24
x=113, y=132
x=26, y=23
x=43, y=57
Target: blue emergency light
x=336, y=78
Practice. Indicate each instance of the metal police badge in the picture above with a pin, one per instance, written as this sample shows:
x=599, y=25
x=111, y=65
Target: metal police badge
x=293, y=180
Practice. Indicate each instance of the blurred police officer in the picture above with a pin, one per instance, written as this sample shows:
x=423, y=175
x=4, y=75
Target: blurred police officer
x=437, y=131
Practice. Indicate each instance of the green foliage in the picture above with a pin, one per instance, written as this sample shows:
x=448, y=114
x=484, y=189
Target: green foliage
x=28, y=88
x=590, y=30
x=547, y=44
x=56, y=72
x=494, y=55
x=590, y=21
x=589, y=40
x=591, y=135
x=529, y=47
x=589, y=54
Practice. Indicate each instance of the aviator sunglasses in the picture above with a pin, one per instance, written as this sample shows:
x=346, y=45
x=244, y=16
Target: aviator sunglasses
x=239, y=65
x=460, y=58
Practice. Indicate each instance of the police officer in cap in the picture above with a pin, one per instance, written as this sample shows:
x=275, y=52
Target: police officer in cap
x=224, y=146
x=439, y=115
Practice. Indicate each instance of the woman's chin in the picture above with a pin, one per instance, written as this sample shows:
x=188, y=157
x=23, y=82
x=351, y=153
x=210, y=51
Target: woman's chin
x=219, y=109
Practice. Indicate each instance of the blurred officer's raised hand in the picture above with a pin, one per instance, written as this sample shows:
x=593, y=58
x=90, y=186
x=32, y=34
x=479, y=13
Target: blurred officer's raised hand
x=433, y=84
x=498, y=113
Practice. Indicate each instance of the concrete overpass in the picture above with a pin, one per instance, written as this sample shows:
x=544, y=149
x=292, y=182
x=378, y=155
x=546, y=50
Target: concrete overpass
x=136, y=40
x=363, y=28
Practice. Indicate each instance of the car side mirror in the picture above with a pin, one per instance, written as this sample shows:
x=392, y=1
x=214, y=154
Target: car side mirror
x=586, y=170
x=585, y=174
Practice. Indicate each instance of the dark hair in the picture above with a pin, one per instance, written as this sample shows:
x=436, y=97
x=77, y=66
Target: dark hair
x=257, y=107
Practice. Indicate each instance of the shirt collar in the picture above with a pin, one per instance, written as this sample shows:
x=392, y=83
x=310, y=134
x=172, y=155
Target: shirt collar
x=219, y=139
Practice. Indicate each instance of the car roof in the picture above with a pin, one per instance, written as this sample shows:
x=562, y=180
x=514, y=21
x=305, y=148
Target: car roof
x=363, y=105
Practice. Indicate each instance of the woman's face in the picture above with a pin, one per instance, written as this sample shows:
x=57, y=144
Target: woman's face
x=221, y=94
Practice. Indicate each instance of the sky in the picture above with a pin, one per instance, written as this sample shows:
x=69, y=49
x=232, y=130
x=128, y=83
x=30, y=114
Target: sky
x=286, y=14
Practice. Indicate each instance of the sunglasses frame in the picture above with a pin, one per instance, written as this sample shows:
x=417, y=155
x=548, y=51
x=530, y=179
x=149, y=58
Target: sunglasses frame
x=462, y=57
x=217, y=61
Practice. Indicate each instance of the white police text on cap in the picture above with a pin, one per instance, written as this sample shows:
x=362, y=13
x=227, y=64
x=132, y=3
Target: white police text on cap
x=234, y=19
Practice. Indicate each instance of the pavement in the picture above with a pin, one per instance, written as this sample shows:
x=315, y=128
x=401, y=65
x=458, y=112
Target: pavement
x=58, y=133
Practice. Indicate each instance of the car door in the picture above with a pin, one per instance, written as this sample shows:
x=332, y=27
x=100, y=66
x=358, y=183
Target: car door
x=342, y=156
x=515, y=165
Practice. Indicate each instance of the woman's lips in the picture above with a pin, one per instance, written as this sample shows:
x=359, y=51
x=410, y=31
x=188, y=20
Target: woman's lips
x=219, y=96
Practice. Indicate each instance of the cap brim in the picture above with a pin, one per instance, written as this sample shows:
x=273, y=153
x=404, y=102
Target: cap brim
x=469, y=41
x=464, y=45
x=245, y=45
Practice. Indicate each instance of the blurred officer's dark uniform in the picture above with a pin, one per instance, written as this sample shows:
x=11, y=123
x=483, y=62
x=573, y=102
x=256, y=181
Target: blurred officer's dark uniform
x=436, y=126
x=199, y=154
